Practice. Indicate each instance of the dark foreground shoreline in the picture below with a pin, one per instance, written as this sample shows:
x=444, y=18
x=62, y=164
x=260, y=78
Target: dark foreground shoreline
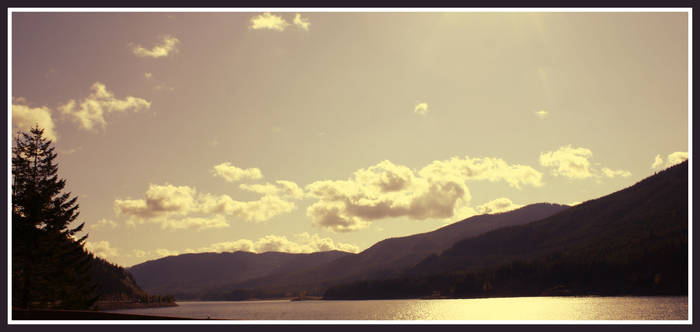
x=82, y=315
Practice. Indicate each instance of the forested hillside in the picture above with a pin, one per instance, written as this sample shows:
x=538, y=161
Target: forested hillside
x=634, y=241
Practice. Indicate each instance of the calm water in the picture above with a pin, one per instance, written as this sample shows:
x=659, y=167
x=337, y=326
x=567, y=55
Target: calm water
x=522, y=308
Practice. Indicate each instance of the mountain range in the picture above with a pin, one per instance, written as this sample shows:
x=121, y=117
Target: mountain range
x=217, y=275
x=631, y=242
x=645, y=221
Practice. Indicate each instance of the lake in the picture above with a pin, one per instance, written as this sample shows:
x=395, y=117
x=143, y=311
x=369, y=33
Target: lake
x=520, y=308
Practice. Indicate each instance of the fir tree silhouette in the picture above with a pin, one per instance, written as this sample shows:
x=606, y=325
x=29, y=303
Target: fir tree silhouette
x=50, y=267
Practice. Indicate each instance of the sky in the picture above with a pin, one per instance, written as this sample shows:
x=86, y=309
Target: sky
x=311, y=131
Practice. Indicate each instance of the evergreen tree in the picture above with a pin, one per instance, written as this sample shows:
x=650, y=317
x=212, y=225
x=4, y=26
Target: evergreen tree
x=50, y=267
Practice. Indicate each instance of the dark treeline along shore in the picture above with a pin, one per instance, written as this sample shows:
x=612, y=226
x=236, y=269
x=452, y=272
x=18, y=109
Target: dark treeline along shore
x=631, y=242
x=51, y=269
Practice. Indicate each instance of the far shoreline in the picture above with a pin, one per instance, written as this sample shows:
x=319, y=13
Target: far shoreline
x=318, y=298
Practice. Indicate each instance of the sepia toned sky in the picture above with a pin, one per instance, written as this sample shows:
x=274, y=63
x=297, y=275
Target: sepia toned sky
x=308, y=131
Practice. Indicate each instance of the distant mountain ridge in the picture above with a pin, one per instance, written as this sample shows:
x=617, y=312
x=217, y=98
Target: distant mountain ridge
x=196, y=276
x=191, y=275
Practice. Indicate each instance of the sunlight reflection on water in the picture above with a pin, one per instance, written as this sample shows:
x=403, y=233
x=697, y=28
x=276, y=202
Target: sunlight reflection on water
x=523, y=308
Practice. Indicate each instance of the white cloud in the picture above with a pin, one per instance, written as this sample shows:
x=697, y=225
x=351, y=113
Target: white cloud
x=613, y=173
x=268, y=21
x=387, y=190
x=421, y=108
x=569, y=162
x=676, y=158
x=491, y=169
x=195, y=223
x=182, y=207
x=160, y=200
x=575, y=163
x=24, y=118
x=264, y=189
x=91, y=110
x=282, y=188
x=314, y=243
x=672, y=159
x=301, y=22
x=231, y=246
x=101, y=249
x=103, y=224
x=165, y=252
x=462, y=210
x=232, y=173
x=541, y=114
x=299, y=243
x=658, y=162
x=498, y=205
x=265, y=208
x=166, y=47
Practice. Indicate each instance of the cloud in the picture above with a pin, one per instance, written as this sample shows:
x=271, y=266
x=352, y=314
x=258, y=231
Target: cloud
x=195, y=223
x=569, y=162
x=231, y=246
x=24, y=118
x=658, y=162
x=268, y=21
x=575, y=163
x=182, y=207
x=232, y=173
x=541, y=114
x=101, y=249
x=497, y=206
x=263, y=209
x=160, y=200
x=462, y=210
x=421, y=108
x=165, y=252
x=301, y=22
x=387, y=190
x=166, y=47
x=676, y=158
x=491, y=169
x=613, y=173
x=300, y=243
x=103, y=224
x=91, y=110
x=282, y=188
x=672, y=159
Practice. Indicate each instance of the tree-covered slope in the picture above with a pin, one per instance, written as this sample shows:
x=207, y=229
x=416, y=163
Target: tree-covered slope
x=634, y=241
